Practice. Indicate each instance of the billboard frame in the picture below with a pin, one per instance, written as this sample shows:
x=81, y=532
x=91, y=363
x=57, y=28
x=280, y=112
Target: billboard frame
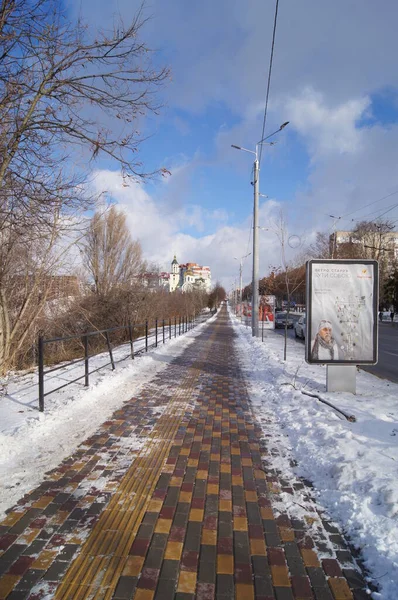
x=309, y=333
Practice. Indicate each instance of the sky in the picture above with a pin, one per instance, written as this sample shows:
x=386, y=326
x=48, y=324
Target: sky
x=334, y=79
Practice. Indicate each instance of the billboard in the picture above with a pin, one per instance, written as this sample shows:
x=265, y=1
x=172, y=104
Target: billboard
x=342, y=303
x=267, y=312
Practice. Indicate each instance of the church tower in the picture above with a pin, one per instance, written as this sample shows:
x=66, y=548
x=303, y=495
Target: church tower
x=174, y=275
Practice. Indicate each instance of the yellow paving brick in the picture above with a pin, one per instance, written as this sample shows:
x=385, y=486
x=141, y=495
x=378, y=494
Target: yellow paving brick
x=216, y=434
x=173, y=550
x=186, y=582
x=311, y=520
x=251, y=496
x=209, y=537
x=225, y=468
x=175, y=482
x=185, y=451
x=225, y=564
x=309, y=557
x=45, y=559
x=43, y=502
x=235, y=451
x=257, y=548
x=163, y=526
x=198, y=438
x=225, y=505
x=206, y=447
x=196, y=514
x=225, y=442
x=247, y=462
x=28, y=536
x=7, y=584
x=286, y=534
x=214, y=456
x=266, y=513
x=133, y=566
x=280, y=576
x=12, y=518
x=340, y=589
x=212, y=488
x=168, y=469
x=60, y=517
x=185, y=497
x=144, y=594
x=201, y=474
x=240, y=524
x=237, y=480
x=258, y=474
x=155, y=505
x=193, y=462
x=244, y=591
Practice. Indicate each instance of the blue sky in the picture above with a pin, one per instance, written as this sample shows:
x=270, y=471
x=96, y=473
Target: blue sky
x=335, y=79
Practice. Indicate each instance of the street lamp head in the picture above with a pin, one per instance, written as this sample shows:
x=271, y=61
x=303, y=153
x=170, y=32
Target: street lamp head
x=236, y=147
x=284, y=125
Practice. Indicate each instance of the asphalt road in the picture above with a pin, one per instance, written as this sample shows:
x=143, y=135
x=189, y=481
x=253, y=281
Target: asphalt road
x=387, y=367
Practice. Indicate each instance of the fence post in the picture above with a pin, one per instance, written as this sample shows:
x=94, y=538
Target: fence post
x=146, y=336
x=110, y=350
x=163, y=332
x=156, y=333
x=41, y=373
x=175, y=326
x=262, y=330
x=86, y=367
x=131, y=340
x=169, y=329
x=179, y=325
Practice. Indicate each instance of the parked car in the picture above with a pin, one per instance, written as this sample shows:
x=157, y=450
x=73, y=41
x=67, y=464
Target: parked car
x=299, y=328
x=280, y=321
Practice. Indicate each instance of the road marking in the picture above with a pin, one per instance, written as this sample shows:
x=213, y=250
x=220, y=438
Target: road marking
x=392, y=353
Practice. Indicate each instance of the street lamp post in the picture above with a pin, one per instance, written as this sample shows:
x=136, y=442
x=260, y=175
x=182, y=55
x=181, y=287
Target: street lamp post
x=256, y=177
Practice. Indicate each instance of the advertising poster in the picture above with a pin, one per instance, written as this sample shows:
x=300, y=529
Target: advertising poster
x=342, y=303
x=267, y=312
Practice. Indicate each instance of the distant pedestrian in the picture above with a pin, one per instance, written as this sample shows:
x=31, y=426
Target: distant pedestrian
x=392, y=313
x=381, y=315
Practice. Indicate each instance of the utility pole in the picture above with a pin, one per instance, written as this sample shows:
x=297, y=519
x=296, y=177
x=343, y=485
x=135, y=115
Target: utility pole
x=256, y=175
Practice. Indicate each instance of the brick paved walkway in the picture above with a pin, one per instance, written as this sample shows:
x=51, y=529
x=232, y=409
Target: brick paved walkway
x=188, y=516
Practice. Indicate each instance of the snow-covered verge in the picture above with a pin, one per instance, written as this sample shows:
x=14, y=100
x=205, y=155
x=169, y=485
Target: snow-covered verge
x=353, y=465
x=32, y=443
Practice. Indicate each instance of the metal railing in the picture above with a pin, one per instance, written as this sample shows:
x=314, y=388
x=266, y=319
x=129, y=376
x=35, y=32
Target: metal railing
x=151, y=338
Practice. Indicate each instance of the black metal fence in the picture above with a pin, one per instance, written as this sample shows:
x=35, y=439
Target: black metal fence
x=139, y=338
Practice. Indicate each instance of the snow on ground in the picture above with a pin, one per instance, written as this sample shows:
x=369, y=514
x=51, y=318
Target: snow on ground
x=32, y=443
x=352, y=465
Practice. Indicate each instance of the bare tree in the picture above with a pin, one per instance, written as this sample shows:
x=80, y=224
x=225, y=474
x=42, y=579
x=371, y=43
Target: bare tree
x=293, y=275
x=68, y=95
x=112, y=258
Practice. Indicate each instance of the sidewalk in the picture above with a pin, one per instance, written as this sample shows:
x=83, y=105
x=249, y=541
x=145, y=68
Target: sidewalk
x=188, y=516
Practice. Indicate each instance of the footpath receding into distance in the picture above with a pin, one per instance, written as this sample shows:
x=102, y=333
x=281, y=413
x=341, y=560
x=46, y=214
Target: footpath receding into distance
x=191, y=515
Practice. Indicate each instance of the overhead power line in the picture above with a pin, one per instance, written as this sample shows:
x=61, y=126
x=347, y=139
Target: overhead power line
x=269, y=78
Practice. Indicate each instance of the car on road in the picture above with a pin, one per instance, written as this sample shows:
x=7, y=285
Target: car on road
x=280, y=321
x=299, y=328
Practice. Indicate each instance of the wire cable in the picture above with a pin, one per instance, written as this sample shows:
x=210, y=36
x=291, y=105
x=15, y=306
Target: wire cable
x=269, y=78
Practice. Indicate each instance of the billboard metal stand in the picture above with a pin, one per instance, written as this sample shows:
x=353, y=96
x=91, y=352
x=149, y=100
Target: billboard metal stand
x=341, y=378
x=342, y=318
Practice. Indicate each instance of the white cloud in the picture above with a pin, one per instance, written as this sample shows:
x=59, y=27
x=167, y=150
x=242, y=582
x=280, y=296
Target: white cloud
x=160, y=231
x=328, y=129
